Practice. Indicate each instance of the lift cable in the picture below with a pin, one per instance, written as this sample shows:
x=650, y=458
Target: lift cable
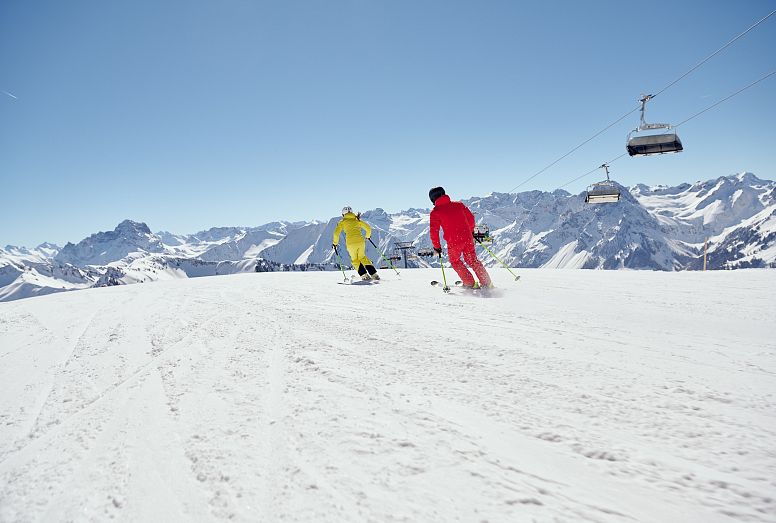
x=715, y=53
x=591, y=171
x=699, y=64
x=727, y=98
x=715, y=104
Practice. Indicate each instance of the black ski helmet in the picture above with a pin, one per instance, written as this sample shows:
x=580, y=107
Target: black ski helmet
x=435, y=193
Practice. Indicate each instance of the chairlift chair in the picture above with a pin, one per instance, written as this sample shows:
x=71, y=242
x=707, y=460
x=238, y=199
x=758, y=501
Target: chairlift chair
x=482, y=234
x=604, y=191
x=649, y=144
x=426, y=253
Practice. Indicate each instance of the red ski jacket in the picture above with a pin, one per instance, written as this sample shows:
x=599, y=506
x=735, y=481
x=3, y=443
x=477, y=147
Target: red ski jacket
x=456, y=220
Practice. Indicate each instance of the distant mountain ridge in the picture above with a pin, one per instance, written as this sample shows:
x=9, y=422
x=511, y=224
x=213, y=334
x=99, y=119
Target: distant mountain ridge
x=656, y=228
x=103, y=248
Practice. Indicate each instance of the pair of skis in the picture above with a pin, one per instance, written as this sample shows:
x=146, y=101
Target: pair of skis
x=357, y=280
x=445, y=288
x=459, y=283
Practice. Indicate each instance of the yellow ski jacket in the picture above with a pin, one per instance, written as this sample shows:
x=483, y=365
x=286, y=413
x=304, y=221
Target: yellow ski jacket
x=352, y=227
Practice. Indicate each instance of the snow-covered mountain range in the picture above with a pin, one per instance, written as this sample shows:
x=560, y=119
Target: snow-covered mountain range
x=657, y=228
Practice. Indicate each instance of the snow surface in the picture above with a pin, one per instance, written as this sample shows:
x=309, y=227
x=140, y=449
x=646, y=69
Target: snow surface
x=567, y=396
x=31, y=283
x=567, y=257
x=253, y=252
x=713, y=205
x=305, y=255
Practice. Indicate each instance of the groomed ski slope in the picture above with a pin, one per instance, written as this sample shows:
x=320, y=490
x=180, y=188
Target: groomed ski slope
x=568, y=396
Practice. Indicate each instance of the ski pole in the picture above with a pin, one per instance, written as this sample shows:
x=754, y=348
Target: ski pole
x=499, y=260
x=381, y=254
x=345, y=278
x=444, y=278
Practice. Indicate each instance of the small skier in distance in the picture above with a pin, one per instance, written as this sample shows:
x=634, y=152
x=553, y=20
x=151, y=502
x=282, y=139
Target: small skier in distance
x=457, y=223
x=355, y=242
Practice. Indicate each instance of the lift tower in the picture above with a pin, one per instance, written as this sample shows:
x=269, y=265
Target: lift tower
x=403, y=248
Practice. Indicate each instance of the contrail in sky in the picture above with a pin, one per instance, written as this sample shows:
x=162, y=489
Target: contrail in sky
x=9, y=94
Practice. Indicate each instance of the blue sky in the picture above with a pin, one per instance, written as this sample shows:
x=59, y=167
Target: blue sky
x=192, y=114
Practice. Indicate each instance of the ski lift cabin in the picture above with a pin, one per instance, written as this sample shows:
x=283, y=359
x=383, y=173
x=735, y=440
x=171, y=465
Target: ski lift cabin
x=654, y=144
x=649, y=144
x=603, y=192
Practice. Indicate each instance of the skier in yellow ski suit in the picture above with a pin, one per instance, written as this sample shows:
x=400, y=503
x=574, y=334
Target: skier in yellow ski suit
x=355, y=243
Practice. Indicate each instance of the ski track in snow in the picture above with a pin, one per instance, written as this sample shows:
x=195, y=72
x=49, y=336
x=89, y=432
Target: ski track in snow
x=567, y=396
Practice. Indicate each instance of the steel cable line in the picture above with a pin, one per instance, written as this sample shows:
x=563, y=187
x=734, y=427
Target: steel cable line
x=588, y=173
x=715, y=53
x=727, y=98
x=621, y=118
x=671, y=84
x=712, y=106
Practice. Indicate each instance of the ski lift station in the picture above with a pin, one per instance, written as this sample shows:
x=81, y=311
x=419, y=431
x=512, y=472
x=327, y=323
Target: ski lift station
x=482, y=234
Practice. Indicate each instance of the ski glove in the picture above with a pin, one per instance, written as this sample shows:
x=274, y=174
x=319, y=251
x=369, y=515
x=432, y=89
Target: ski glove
x=438, y=250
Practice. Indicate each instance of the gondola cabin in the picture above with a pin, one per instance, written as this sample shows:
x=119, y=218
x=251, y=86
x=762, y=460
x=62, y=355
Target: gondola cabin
x=649, y=144
x=605, y=191
x=654, y=144
x=602, y=192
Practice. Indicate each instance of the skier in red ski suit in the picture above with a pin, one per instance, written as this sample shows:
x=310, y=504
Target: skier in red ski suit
x=457, y=223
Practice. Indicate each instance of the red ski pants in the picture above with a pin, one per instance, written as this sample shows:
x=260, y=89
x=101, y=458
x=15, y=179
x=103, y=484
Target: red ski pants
x=455, y=252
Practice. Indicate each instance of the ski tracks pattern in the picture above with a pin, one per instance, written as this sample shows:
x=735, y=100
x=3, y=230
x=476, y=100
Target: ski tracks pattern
x=221, y=402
